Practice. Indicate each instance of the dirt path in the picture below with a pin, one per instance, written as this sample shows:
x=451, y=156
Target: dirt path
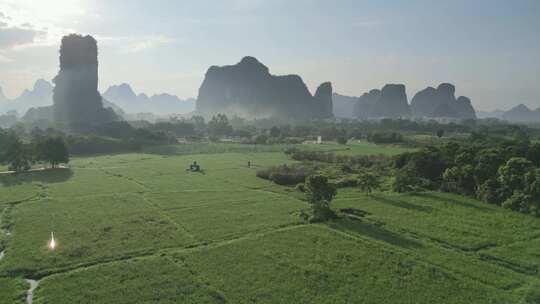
x=33, y=170
x=30, y=293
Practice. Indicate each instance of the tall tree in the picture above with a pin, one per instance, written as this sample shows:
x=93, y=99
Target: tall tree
x=219, y=126
x=53, y=150
x=18, y=156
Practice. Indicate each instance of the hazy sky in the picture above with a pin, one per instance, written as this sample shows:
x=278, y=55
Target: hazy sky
x=490, y=49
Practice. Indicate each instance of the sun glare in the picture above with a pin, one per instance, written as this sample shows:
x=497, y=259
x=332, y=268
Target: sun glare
x=52, y=242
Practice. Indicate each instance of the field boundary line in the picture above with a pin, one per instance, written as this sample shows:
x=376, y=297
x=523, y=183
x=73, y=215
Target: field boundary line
x=160, y=252
x=383, y=246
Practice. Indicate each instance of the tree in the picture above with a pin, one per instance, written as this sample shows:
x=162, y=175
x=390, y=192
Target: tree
x=440, y=133
x=519, y=201
x=18, y=156
x=275, y=132
x=368, y=182
x=261, y=139
x=53, y=150
x=491, y=191
x=219, y=126
x=342, y=140
x=318, y=189
x=198, y=122
x=406, y=180
x=533, y=154
x=512, y=174
x=487, y=164
x=460, y=179
x=319, y=193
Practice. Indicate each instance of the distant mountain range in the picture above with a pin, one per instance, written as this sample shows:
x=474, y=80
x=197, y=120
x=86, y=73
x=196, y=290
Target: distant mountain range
x=161, y=104
x=343, y=106
x=248, y=89
x=430, y=103
x=521, y=113
x=120, y=98
x=391, y=102
x=39, y=96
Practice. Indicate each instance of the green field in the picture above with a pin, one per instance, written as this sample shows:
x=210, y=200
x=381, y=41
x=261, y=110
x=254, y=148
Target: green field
x=138, y=228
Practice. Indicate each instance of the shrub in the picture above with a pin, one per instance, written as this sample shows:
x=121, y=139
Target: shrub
x=285, y=175
x=385, y=137
x=300, y=187
x=347, y=182
x=260, y=139
x=406, y=180
x=320, y=193
x=491, y=191
x=319, y=189
x=342, y=140
x=321, y=212
x=519, y=201
x=368, y=182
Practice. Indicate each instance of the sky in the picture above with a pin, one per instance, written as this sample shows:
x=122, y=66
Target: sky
x=489, y=49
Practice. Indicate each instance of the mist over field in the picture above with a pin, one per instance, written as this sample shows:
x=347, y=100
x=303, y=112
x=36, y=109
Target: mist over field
x=269, y=151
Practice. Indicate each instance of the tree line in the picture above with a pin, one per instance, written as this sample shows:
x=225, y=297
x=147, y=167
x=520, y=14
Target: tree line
x=498, y=170
x=20, y=155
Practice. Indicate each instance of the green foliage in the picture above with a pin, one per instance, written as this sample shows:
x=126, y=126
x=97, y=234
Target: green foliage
x=275, y=132
x=285, y=175
x=319, y=189
x=12, y=291
x=141, y=224
x=19, y=156
x=519, y=201
x=219, y=126
x=260, y=139
x=459, y=179
x=497, y=171
x=342, y=140
x=440, y=133
x=512, y=173
x=52, y=150
x=319, y=193
x=367, y=182
x=406, y=180
x=491, y=191
x=385, y=137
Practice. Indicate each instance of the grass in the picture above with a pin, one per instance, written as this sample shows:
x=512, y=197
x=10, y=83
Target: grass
x=12, y=291
x=140, y=228
x=151, y=280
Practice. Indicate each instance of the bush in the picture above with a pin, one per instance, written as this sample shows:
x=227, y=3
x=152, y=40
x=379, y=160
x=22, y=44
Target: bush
x=342, y=140
x=319, y=189
x=285, y=175
x=321, y=212
x=385, y=137
x=319, y=193
x=523, y=203
x=491, y=191
x=260, y=139
x=406, y=180
x=328, y=157
x=347, y=182
x=300, y=187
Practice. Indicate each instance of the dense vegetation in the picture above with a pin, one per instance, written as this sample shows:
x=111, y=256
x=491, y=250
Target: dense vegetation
x=496, y=170
x=324, y=222
x=142, y=224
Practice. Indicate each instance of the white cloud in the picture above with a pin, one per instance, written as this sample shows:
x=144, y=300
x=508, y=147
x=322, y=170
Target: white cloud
x=12, y=36
x=30, y=23
x=5, y=59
